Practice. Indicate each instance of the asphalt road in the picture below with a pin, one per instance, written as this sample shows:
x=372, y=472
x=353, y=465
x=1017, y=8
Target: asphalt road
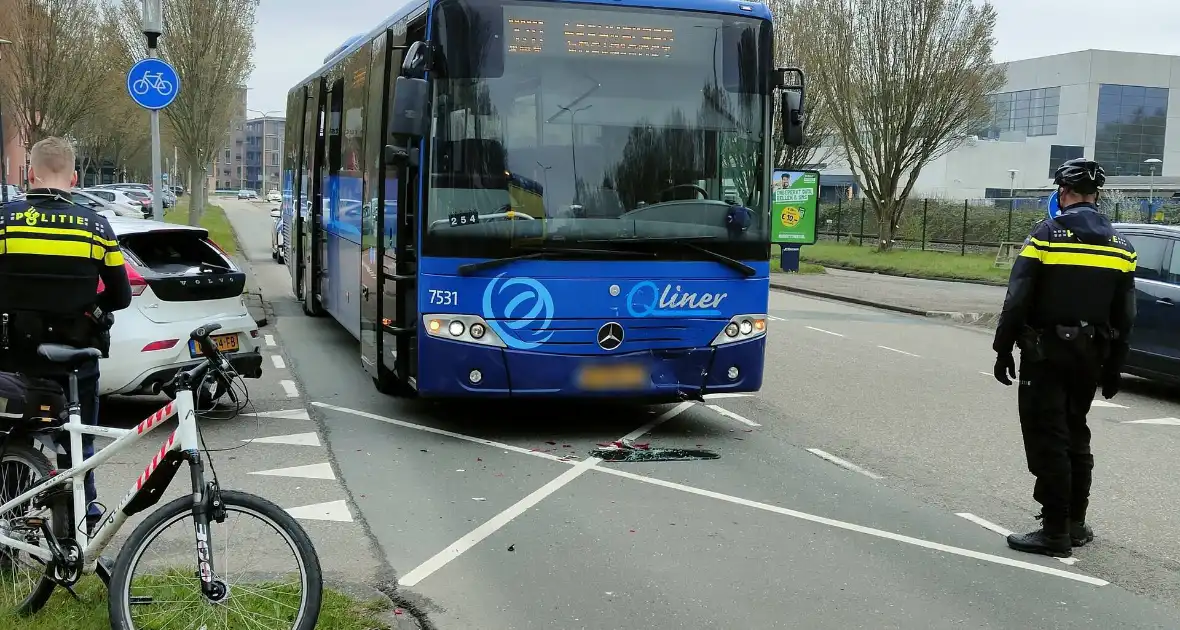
x=493, y=517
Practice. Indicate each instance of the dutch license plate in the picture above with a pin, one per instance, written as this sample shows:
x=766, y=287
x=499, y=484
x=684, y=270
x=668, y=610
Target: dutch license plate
x=225, y=343
x=613, y=377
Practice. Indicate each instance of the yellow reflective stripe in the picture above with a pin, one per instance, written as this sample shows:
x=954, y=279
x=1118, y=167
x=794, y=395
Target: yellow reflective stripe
x=1081, y=259
x=43, y=247
x=113, y=259
x=1085, y=247
x=85, y=234
x=1031, y=252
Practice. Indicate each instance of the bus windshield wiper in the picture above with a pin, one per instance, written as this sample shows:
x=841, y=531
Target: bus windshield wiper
x=470, y=268
x=687, y=242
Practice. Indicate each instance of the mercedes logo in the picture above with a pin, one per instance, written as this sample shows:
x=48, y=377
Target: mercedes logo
x=610, y=336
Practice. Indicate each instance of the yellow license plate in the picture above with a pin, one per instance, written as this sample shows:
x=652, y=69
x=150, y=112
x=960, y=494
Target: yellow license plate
x=613, y=377
x=225, y=343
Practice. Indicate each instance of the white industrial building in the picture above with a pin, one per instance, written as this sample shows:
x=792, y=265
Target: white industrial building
x=1120, y=108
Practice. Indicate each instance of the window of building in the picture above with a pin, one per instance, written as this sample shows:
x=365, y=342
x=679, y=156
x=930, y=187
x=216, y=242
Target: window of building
x=1060, y=153
x=227, y=158
x=1033, y=112
x=1131, y=124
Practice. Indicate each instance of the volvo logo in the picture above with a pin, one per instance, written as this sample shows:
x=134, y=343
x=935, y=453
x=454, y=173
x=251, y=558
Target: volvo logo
x=610, y=336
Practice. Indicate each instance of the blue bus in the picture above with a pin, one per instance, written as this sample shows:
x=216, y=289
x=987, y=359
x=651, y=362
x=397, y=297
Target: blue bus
x=533, y=198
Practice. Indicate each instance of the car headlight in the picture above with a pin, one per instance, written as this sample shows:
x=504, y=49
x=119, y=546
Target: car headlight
x=466, y=328
x=741, y=328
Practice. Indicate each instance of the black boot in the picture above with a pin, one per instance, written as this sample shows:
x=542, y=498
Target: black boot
x=1080, y=533
x=1053, y=539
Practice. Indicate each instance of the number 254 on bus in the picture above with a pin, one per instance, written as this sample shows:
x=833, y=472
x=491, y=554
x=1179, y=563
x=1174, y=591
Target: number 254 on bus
x=505, y=198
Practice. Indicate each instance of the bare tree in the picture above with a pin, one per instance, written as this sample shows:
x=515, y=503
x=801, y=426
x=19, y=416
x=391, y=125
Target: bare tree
x=53, y=69
x=791, y=45
x=903, y=81
x=210, y=43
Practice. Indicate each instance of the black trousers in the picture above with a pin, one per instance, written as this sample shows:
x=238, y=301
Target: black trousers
x=1054, y=397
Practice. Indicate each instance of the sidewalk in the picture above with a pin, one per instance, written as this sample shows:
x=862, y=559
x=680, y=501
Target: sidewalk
x=960, y=301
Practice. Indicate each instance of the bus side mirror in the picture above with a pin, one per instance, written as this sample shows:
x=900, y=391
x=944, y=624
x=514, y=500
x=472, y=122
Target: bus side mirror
x=417, y=60
x=791, y=110
x=408, y=109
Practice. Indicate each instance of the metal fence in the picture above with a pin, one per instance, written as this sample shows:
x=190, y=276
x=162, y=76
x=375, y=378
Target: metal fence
x=972, y=225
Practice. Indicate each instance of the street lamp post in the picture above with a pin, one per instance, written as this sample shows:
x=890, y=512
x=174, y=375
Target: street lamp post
x=1011, y=200
x=3, y=141
x=153, y=27
x=1151, y=163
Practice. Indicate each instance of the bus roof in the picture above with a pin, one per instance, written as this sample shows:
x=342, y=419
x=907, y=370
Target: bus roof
x=735, y=7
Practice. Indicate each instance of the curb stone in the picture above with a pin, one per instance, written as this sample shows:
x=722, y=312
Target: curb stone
x=990, y=283
x=985, y=320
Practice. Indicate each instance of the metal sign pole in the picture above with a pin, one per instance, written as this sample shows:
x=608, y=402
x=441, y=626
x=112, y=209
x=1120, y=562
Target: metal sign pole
x=157, y=192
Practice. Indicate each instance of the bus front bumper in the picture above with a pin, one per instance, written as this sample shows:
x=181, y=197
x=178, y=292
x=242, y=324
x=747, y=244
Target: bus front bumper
x=455, y=369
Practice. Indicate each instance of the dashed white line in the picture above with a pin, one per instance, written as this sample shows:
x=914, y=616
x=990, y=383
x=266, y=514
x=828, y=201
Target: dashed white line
x=826, y=332
x=1165, y=421
x=733, y=416
x=988, y=525
x=986, y=373
x=721, y=395
x=289, y=386
x=843, y=463
x=910, y=354
x=270, y=340
x=775, y=318
x=1107, y=404
x=278, y=361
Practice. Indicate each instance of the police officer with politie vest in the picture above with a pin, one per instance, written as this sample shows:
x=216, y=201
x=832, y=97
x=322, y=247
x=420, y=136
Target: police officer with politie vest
x=53, y=253
x=1069, y=308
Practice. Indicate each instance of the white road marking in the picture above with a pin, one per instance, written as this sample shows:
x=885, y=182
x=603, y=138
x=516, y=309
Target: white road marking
x=879, y=533
x=775, y=318
x=1165, y=421
x=331, y=511
x=986, y=524
x=310, y=471
x=733, y=416
x=285, y=414
x=843, y=463
x=270, y=340
x=1107, y=404
x=278, y=361
x=440, y=559
x=294, y=439
x=898, y=351
x=986, y=373
x=725, y=395
x=292, y=391
x=826, y=332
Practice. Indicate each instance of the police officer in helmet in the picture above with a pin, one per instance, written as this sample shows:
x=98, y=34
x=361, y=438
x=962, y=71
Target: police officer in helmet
x=1069, y=308
x=52, y=255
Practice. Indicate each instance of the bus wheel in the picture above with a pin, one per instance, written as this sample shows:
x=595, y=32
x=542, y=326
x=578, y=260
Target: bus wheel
x=389, y=384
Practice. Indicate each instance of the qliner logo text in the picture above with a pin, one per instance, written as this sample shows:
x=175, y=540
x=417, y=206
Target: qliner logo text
x=647, y=299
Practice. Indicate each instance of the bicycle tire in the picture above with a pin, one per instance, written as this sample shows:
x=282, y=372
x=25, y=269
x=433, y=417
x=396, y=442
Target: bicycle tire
x=36, y=460
x=119, y=606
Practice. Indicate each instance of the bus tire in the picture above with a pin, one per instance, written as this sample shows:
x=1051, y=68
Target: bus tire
x=389, y=384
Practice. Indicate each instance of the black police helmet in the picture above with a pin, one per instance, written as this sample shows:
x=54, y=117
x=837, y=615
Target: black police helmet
x=1080, y=175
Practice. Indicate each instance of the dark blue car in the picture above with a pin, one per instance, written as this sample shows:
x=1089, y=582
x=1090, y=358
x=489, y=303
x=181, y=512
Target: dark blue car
x=1155, y=342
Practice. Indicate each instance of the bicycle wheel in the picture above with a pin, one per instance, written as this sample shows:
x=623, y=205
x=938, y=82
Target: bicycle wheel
x=163, y=591
x=25, y=583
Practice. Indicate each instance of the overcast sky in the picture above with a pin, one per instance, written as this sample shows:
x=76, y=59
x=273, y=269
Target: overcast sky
x=294, y=36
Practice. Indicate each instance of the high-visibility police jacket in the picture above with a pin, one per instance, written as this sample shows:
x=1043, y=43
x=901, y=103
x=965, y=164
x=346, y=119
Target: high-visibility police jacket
x=1075, y=269
x=52, y=255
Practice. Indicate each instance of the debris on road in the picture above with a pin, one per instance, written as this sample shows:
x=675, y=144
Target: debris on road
x=627, y=451
x=478, y=499
x=511, y=547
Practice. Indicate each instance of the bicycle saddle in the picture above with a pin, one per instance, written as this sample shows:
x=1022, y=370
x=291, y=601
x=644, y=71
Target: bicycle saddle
x=67, y=354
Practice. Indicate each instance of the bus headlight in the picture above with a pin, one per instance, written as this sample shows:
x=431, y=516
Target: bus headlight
x=464, y=328
x=741, y=328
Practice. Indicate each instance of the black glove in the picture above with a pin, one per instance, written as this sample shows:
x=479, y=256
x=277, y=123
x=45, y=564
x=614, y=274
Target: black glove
x=1005, y=368
x=1110, y=383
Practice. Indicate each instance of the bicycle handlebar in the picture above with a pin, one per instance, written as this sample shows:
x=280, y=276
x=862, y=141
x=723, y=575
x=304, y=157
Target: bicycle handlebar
x=213, y=357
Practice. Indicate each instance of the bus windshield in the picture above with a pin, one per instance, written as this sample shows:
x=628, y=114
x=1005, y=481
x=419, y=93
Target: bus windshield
x=558, y=125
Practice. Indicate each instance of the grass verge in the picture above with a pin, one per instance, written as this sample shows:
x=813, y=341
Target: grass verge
x=902, y=262
x=213, y=219
x=89, y=611
x=805, y=268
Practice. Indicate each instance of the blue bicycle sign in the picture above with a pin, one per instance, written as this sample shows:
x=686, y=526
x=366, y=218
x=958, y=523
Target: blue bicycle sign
x=153, y=84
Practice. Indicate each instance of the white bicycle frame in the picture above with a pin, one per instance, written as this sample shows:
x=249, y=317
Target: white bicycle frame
x=184, y=438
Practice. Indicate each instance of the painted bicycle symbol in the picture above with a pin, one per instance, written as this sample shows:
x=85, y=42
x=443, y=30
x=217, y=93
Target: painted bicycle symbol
x=152, y=81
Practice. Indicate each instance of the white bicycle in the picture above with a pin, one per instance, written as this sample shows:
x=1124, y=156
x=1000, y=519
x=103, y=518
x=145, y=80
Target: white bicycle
x=149, y=81
x=45, y=543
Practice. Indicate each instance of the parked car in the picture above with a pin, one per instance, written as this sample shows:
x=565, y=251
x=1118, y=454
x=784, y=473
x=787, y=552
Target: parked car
x=179, y=279
x=274, y=196
x=177, y=190
x=14, y=193
x=99, y=204
x=1155, y=341
x=120, y=197
x=247, y=194
x=278, y=245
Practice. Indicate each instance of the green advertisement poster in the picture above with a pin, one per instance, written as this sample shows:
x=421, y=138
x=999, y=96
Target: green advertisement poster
x=793, y=197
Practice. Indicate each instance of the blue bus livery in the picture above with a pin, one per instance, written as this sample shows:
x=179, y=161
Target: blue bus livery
x=543, y=198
